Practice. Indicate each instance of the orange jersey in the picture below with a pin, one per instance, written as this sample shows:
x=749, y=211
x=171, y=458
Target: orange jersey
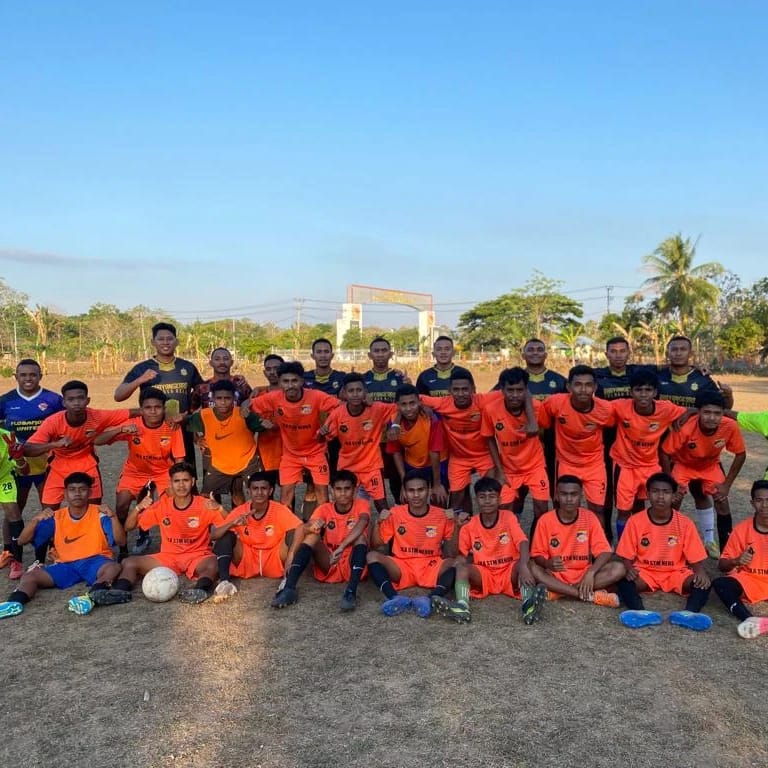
x=518, y=451
x=418, y=440
x=360, y=436
x=577, y=543
x=265, y=532
x=230, y=442
x=578, y=436
x=696, y=450
x=80, y=453
x=462, y=426
x=495, y=547
x=152, y=450
x=337, y=525
x=666, y=547
x=637, y=436
x=745, y=537
x=298, y=422
x=181, y=530
x=270, y=446
x=78, y=539
x=416, y=536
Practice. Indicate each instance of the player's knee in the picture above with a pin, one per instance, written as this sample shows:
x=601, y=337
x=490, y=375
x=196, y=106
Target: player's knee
x=373, y=557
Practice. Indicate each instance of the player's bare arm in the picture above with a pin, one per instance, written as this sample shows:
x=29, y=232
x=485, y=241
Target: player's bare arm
x=724, y=488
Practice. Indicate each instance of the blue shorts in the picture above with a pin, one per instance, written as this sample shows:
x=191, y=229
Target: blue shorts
x=66, y=575
x=426, y=472
x=27, y=481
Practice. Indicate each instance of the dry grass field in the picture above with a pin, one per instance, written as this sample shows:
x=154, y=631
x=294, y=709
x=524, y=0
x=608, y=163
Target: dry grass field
x=239, y=685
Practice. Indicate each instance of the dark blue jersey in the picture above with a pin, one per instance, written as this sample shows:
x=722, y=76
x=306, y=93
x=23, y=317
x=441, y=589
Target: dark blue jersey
x=542, y=385
x=23, y=415
x=330, y=384
x=176, y=379
x=682, y=389
x=434, y=383
x=382, y=386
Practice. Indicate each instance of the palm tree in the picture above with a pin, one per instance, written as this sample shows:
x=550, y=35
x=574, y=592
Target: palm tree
x=685, y=292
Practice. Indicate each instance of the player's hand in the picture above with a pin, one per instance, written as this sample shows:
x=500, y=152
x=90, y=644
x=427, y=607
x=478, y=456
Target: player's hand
x=45, y=514
x=62, y=442
x=174, y=422
x=701, y=580
x=15, y=448
x=721, y=492
x=129, y=429
x=526, y=577
x=745, y=558
x=449, y=514
x=145, y=503
x=105, y=510
x=463, y=517
x=384, y=514
x=268, y=424
x=322, y=433
x=392, y=434
x=147, y=376
x=336, y=555
x=555, y=564
x=242, y=520
x=439, y=494
x=314, y=526
x=587, y=586
x=677, y=499
x=201, y=442
x=211, y=503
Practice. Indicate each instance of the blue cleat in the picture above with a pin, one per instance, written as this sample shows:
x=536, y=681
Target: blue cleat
x=396, y=605
x=422, y=606
x=10, y=608
x=698, y=622
x=82, y=605
x=640, y=619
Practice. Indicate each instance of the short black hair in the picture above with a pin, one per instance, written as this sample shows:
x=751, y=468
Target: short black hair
x=758, y=485
x=616, y=340
x=581, y=370
x=353, y=378
x=261, y=476
x=152, y=393
x=321, y=341
x=485, y=484
x=661, y=477
x=379, y=339
x=710, y=398
x=414, y=474
x=442, y=338
x=294, y=367
x=222, y=385
x=644, y=377
x=404, y=390
x=267, y=358
x=680, y=338
x=157, y=327
x=570, y=479
x=533, y=340
x=74, y=384
x=220, y=349
x=181, y=466
x=514, y=375
x=79, y=478
x=28, y=361
x=344, y=476
x=462, y=374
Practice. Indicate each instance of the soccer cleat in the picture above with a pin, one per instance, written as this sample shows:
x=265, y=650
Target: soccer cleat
x=532, y=604
x=81, y=605
x=141, y=545
x=605, y=598
x=396, y=605
x=37, y=564
x=450, y=609
x=712, y=549
x=348, y=601
x=193, y=596
x=698, y=622
x=640, y=619
x=110, y=596
x=10, y=608
x=6, y=558
x=224, y=590
x=285, y=597
x=421, y=606
x=16, y=570
x=753, y=627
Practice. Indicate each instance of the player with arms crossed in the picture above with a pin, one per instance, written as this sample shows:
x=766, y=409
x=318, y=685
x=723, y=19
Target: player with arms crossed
x=83, y=534
x=420, y=535
x=570, y=554
x=661, y=550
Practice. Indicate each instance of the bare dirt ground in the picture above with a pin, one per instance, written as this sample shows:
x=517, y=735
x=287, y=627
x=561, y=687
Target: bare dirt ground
x=240, y=685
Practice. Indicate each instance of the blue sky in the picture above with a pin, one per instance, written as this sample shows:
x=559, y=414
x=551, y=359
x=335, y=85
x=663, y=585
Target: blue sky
x=208, y=156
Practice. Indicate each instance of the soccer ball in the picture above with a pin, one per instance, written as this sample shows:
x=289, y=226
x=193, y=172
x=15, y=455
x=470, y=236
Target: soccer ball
x=160, y=585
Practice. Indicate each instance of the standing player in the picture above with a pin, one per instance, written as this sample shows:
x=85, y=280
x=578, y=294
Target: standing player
x=359, y=426
x=12, y=465
x=187, y=524
x=335, y=541
x=420, y=444
x=661, y=550
x=570, y=554
x=461, y=415
x=269, y=446
x=230, y=439
x=221, y=362
x=493, y=558
x=436, y=381
x=579, y=420
x=261, y=538
x=641, y=423
x=22, y=411
x=511, y=428
x=83, y=535
x=175, y=377
x=296, y=412
x=745, y=561
x=420, y=535
x=693, y=454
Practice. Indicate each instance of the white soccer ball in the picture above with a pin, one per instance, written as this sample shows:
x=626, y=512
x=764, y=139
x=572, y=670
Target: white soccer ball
x=160, y=585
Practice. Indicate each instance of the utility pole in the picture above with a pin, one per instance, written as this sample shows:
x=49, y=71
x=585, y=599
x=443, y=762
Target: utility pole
x=608, y=298
x=299, y=305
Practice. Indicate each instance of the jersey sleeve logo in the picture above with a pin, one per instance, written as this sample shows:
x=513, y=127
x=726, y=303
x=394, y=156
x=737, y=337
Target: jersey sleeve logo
x=430, y=531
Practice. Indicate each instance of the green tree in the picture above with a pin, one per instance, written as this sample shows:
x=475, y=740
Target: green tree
x=685, y=292
x=569, y=335
x=741, y=338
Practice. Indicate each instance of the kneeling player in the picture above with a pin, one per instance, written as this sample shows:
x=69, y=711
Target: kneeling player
x=494, y=557
x=570, y=553
x=187, y=524
x=256, y=539
x=420, y=535
x=335, y=539
x=83, y=535
x=745, y=561
x=661, y=550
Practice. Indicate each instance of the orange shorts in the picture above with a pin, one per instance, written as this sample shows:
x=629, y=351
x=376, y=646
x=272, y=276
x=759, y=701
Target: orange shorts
x=259, y=562
x=185, y=563
x=371, y=484
x=535, y=480
x=665, y=581
x=460, y=470
x=338, y=572
x=496, y=581
x=708, y=477
x=53, y=490
x=417, y=572
x=630, y=484
x=592, y=475
x=755, y=587
x=292, y=469
x=133, y=483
